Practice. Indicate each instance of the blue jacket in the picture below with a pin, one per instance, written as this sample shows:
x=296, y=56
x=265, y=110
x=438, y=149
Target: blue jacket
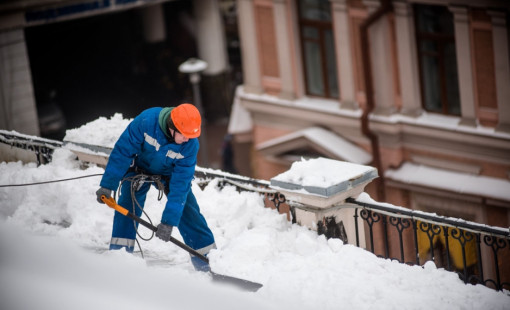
x=145, y=142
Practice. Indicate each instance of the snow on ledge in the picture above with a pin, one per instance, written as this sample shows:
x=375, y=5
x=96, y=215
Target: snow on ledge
x=438, y=121
x=417, y=214
x=321, y=172
x=323, y=182
x=457, y=182
x=313, y=104
x=431, y=120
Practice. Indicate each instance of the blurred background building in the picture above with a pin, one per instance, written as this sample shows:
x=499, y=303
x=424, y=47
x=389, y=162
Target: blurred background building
x=419, y=89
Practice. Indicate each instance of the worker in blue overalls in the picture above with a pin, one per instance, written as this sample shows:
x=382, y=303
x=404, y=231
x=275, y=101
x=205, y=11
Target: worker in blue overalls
x=159, y=147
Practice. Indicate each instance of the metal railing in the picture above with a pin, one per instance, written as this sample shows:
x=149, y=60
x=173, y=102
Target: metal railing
x=43, y=148
x=478, y=253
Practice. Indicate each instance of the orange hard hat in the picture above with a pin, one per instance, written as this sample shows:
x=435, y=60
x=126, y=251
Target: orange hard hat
x=187, y=120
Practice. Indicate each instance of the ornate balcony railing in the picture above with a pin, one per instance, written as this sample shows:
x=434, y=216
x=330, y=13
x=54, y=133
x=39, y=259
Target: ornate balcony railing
x=477, y=253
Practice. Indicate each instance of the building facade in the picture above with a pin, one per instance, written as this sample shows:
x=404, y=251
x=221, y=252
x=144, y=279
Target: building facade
x=420, y=89
x=75, y=61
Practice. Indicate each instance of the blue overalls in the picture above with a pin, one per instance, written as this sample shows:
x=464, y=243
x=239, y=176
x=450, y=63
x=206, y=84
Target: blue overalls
x=145, y=145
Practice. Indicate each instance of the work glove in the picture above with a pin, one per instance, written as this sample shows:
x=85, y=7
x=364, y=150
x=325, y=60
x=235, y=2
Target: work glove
x=164, y=232
x=103, y=191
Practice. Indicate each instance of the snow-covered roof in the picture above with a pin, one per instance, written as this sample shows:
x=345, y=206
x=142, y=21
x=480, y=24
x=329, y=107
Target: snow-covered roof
x=451, y=181
x=318, y=138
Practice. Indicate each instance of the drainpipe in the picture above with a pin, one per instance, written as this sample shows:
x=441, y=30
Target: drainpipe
x=386, y=7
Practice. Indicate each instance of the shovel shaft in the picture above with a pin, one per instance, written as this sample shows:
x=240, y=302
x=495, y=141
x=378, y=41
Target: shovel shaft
x=110, y=202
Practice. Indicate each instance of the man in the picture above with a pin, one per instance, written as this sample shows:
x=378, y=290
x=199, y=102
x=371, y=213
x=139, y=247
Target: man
x=160, y=147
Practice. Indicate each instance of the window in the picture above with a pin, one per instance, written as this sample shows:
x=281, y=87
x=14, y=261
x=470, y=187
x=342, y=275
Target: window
x=318, y=48
x=437, y=58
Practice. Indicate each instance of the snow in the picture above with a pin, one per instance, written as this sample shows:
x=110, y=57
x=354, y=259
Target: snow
x=193, y=65
x=54, y=240
x=445, y=122
x=311, y=104
x=101, y=132
x=457, y=182
x=321, y=172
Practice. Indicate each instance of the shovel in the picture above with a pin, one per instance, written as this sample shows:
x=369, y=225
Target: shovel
x=237, y=282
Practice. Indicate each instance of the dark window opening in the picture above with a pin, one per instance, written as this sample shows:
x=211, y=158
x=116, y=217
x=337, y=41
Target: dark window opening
x=100, y=65
x=317, y=43
x=437, y=58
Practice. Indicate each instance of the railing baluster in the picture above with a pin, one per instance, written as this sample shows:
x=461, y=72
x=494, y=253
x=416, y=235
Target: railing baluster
x=385, y=235
x=479, y=258
x=371, y=218
x=416, y=249
x=463, y=237
x=431, y=230
x=447, y=246
x=356, y=226
x=400, y=224
x=496, y=244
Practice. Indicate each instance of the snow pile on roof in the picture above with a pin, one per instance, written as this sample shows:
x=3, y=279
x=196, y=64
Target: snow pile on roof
x=54, y=240
x=100, y=132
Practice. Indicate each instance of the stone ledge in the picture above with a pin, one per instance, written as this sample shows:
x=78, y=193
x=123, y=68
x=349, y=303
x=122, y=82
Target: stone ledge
x=340, y=181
